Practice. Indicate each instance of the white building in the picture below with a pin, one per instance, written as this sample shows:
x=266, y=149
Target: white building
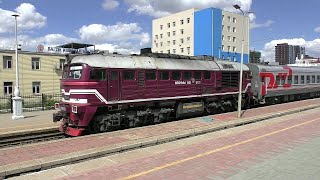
x=211, y=31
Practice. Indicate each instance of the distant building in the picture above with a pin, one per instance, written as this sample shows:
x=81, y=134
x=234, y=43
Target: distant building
x=39, y=72
x=255, y=57
x=211, y=31
x=287, y=54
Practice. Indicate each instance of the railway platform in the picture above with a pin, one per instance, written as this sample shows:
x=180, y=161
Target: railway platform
x=40, y=156
x=33, y=121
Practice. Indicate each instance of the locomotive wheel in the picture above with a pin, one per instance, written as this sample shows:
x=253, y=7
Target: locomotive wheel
x=94, y=127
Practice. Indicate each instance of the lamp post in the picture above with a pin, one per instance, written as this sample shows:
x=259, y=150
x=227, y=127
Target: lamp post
x=241, y=61
x=17, y=100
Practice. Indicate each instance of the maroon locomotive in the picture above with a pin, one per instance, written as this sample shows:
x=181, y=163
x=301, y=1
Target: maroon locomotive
x=102, y=92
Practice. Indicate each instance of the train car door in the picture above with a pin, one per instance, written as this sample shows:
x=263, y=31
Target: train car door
x=114, y=85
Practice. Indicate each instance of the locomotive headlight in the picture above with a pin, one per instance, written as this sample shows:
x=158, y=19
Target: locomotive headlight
x=74, y=109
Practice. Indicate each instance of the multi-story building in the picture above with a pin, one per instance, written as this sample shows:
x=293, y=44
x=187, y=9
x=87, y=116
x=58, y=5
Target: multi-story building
x=211, y=31
x=287, y=54
x=255, y=57
x=38, y=72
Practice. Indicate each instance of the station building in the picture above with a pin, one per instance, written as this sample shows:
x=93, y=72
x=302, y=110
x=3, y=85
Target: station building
x=39, y=72
x=211, y=31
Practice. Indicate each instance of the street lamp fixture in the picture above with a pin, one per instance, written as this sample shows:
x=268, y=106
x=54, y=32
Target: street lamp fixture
x=17, y=100
x=236, y=6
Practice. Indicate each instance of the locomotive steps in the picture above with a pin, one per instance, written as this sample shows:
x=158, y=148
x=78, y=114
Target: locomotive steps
x=39, y=164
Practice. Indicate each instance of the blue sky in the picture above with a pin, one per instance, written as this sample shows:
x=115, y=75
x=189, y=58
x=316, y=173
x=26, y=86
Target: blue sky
x=125, y=25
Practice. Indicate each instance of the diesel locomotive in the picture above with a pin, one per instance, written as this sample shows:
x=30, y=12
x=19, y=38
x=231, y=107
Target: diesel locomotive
x=103, y=92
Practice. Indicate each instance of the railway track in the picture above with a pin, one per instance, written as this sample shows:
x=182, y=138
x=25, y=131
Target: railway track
x=18, y=140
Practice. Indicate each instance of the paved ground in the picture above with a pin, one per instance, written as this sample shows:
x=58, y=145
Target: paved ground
x=32, y=120
x=282, y=148
x=46, y=154
x=232, y=153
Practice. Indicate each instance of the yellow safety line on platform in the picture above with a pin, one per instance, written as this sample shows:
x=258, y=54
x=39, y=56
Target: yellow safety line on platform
x=214, y=151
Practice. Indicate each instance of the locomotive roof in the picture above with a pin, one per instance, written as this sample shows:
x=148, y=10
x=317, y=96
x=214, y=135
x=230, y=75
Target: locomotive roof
x=145, y=62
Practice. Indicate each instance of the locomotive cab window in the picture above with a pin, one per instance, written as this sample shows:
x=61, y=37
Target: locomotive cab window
x=207, y=75
x=318, y=79
x=197, y=75
x=187, y=75
x=128, y=75
x=176, y=75
x=164, y=75
x=75, y=72
x=151, y=75
x=97, y=74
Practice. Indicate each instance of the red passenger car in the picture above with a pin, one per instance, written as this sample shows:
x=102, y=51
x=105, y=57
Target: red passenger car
x=102, y=92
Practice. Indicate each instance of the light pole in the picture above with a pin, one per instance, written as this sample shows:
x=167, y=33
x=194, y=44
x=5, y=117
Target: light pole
x=17, y=100
x=241, y=61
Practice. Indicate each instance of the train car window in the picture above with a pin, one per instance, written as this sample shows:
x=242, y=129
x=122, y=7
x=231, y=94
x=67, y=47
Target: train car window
x=207, y=75
x=197, y=75
x=308, y=79
x=289, y=79
x=313, y=79
x=318, y=79
x=278, y=80
x=164, y=75
x=114, y=75
x=296, y=79
x=187, y=75
x=302, y=80
x=128, y=75
x=97, y=74
x=151, y=75
x=176, y=75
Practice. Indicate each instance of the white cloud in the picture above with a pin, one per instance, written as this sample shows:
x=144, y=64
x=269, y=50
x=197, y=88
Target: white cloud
x=159, y=8
x=317, y=29
x=29, y=19
x=254, y=25
x=30, y=43
x=99, y=33
x=110, y=4
x=312, y=47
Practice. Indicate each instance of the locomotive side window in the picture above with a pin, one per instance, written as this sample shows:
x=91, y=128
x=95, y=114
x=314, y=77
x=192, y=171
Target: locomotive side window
x=187, y=75
x=176, y=75
x=296, y=79
x=318, y=79
x=114, y=75
x=97, y=74
x=128, y=75
x=197, y=75
x=164, y=75
x=302, y=80
x=151, y=75
x=207, y=75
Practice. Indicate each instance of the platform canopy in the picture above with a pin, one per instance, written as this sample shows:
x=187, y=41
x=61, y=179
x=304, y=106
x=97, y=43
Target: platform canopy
x=76, y=45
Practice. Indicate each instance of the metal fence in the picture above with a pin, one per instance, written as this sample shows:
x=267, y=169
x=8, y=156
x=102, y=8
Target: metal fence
x=39, y=102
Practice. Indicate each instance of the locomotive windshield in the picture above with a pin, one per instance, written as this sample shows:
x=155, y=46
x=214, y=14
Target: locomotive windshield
x=75, y=72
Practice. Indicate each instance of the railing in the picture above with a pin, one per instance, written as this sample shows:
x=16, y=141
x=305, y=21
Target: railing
x=39, y=102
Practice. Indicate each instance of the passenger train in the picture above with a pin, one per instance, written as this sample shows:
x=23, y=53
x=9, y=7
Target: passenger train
x=103, y=92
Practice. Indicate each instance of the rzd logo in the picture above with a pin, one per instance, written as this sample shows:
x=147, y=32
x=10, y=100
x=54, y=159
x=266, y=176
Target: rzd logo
x=269, y=77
